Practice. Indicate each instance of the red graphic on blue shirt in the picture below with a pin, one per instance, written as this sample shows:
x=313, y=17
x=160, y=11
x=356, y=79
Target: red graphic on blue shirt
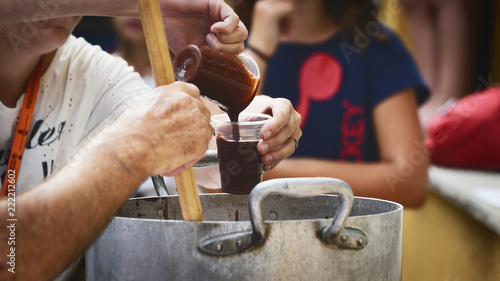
x=352, y=132
x=320, y=77
x=336, y=93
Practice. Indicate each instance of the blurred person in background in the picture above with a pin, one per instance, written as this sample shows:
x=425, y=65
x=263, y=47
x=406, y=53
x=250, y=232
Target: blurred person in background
x=131, y=46
x=357, y=89
x=440, y=31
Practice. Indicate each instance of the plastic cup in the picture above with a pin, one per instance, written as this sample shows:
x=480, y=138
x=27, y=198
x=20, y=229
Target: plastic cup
x=240, y=164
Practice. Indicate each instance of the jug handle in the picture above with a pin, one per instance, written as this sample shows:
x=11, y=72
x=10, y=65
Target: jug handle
x=334, y=234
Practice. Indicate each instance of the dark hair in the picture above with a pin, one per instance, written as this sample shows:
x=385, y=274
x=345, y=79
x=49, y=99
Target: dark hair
x=351, y=15
x=348, y=14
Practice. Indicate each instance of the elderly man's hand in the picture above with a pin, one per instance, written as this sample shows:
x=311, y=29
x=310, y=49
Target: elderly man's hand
x=281, y=134
x=166, y=132
x=203, y=22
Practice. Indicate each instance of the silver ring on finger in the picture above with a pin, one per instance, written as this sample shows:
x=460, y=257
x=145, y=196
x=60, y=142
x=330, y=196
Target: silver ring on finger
x=295, y=141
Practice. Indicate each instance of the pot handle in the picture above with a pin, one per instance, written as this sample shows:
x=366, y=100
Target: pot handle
x=301, y=188
x=334, y=234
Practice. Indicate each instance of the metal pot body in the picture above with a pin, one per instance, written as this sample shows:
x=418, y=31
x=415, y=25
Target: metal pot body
x=268, y=236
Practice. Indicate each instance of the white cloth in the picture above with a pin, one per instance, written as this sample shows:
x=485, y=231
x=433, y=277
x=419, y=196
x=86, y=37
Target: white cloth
x=83, y=89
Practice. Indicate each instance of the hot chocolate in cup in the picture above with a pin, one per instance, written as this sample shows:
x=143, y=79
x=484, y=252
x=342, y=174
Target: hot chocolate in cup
x=240, y=164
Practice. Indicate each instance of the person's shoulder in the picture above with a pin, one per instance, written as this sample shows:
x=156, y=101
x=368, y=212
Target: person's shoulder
x=372, y=44
x=75, y=47
x=384, y=46
x=384, y=38
x=80, y=54
x=79, y=49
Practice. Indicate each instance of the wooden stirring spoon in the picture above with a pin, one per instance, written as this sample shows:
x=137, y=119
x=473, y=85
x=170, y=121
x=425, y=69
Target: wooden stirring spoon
x=161, y=64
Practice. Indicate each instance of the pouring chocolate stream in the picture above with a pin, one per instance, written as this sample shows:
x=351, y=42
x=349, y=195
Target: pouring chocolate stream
x=230, y=81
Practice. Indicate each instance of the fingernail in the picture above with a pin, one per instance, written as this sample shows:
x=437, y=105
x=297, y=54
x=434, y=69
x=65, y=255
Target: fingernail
x=265, y=148
x=267, y=135
x=268, y=159
x=267, y=167
x=210, y=39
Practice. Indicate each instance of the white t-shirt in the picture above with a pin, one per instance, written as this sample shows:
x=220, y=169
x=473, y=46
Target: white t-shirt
x=83, y=89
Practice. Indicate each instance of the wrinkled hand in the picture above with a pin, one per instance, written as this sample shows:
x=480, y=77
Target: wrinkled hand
x=166, y=132
x=203, y=22
x=276, y=144
x=270, y=23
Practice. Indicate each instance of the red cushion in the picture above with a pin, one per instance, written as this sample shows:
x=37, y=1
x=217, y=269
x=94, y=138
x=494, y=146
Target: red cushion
x=468, y=134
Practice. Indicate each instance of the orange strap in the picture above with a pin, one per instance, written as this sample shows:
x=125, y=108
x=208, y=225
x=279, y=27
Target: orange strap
x=21, y=134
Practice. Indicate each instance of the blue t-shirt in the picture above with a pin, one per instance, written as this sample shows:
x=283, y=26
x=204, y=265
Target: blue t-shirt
x=335, y=86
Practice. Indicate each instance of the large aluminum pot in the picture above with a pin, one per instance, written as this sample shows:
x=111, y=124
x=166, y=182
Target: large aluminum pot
x=278, y=232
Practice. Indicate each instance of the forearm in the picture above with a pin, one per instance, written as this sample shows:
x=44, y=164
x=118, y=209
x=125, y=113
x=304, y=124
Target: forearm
x=59, y=218
x=266, y=48
x=27, y=10
x=262, y=64
x=267, y=31
x=404, y=182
